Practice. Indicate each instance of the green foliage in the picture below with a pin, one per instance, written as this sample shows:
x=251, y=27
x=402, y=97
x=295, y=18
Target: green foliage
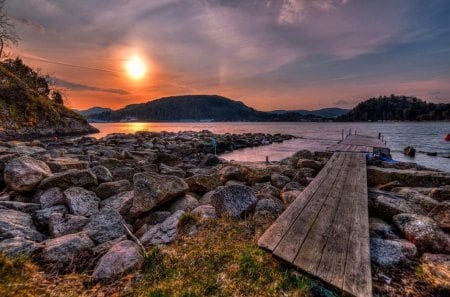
x=397, y=108
x=32, y=78
x=187, y=220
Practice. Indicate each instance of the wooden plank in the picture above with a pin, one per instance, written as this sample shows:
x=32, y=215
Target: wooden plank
x=272, y=236
x=308, y=256
x=288, y=247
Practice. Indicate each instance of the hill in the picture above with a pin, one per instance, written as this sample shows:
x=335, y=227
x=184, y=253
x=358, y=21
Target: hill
x=197, y=108
x=92, y=110
x=331, y=112
x=397, y=108
x=27, y=111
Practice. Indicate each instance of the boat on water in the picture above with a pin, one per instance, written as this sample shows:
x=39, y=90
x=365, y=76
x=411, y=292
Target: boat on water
x=129, y=119
x=447, y=137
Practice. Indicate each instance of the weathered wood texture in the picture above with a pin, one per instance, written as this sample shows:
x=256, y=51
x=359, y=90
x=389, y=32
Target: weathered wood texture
x=324, y=232
x=360, y=144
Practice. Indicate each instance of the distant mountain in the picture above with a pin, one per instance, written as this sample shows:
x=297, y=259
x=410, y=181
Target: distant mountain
x=331, y=112
x=397, y=108
x=92, y=110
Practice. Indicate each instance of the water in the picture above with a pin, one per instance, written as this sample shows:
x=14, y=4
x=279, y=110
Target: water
x=427, y=137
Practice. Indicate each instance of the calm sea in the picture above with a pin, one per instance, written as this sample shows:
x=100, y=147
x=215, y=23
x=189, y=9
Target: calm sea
x=426, y=137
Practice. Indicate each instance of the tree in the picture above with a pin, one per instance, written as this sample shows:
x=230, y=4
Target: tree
x=57, y=97
x=8, y=35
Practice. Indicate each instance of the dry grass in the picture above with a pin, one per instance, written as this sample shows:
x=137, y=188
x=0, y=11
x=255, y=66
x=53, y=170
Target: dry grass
x=211, y=258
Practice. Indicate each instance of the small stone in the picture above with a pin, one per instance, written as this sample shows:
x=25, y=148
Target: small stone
x=274, y=206
x=65, y=163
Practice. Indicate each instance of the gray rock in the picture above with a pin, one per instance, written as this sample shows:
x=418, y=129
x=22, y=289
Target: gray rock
x=103, y=248
x=441, y=193
x=202, y=183
x=441, y=215
x=20, y=206
x=59, y=224
x=233, y=201
x=81, y=202
x=206, y=198
x=266, y=188
x=109, y=189
x=69, y=178
x=121, y=203
x=387, y=207
x=185, y=203
x=306, y=163
x=163, y=233
x=13, y=247
x=121, y=258
x=292, y=186
x=390, y=253
x=274, y=206
x=380, y=229
x=418, y=198
x=18, y=224
x=52, y=197
x=42, y=216
x=231, y=173
x=102, y=173
x=206, y=211
x=66, y=163
x=151, y=190
x=105, y=226
x=66, y=253
x=407, y=177
x=306, y=172
x=169, y=170
x=423, y=232
x=279, y=181
x=24, y=174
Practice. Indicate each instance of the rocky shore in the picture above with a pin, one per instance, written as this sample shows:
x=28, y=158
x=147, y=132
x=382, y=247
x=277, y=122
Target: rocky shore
x=96, y=206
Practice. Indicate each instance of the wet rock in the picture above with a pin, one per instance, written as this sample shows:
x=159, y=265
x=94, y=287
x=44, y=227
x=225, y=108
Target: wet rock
x=266, y=188
x=289, y=197
x=66, y=253
x=121, y=258
x=410, y=178
x=109, y=189
x=435, y=269
x=201, y=183
x=24, y=174
x=185, y=203
x=81, y=202
x=52, y=197
x=20, y=206
x=163, y=233
x=13, y=247
x=102, y=173
x=69, y=178
x=233, y=201
x=278, y=180
x=423, y=232
x=169, y=170
x=121, y=203
x=205, y=211
x=274, y=206
x=387, y=207
x=441, y=215
x=441, y=193
x=409, y=151
x=390, y=253
x=151, y=190
x=105, y=226
x=65, y=163
x=59, y=224
x=18, y=224
x=380, y=229
x=42, y=216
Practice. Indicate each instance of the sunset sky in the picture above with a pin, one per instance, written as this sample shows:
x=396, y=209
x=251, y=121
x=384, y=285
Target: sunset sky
x=270, y=54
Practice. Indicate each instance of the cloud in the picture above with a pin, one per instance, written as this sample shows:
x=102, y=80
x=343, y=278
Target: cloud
x=295, y=11
x=81, y=87
x=29, y=23
x=342, y=103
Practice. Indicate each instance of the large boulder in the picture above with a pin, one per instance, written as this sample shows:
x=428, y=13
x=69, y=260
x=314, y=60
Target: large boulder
x=231, y=172
x=151, y=190
x=410, y=178
x=163, y=233
x=105, y=226
x=202, y=183
x=81, y=202
x=387, y=207
x=66, y=253
x=121, y=258
x=24, y=174
x=64, y=163
x=59, y=224
x=417, y=198
x=13, y=247
x=390, y=253
x=18, y=224
x=233, y=201
x=441, y=215
x=52, y=197
x=423, y=232
x=109, y=189
x=69, y=178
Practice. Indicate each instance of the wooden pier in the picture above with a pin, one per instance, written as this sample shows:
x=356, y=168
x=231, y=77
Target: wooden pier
x=325, y=231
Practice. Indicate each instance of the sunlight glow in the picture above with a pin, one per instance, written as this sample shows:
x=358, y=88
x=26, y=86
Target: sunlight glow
x=135, y=67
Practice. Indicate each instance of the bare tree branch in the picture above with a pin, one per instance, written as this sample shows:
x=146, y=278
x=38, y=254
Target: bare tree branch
x=8, y=35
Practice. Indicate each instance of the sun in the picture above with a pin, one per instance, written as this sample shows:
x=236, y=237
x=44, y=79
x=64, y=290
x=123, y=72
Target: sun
x=135, y=67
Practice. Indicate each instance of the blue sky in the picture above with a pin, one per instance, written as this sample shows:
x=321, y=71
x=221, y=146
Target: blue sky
x=270, y=54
